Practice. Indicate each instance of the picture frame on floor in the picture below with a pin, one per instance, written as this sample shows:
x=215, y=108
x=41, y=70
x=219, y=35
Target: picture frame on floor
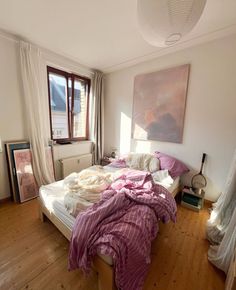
x=21, y=177
x=26, y=182
x=10, y=147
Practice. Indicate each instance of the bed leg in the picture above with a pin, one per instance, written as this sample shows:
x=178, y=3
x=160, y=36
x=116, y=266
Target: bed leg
x=41, y=214
x=105, y=283
x=105, y=274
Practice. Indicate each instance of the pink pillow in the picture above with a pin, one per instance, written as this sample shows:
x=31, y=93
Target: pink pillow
x=118, y=163
x=174, y=166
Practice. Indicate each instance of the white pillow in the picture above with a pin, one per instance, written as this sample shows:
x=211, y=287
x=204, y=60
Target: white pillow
x=154, y=164
x=163, y=177
x=143, y=161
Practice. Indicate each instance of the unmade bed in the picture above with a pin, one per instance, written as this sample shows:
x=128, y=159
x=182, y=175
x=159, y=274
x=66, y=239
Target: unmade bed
x=51, y=201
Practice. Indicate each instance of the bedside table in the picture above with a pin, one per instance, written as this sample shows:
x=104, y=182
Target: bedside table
x=192, y=200
x=106, y=160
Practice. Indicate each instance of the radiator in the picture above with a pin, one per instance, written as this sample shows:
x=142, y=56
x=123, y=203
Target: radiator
x=75, y=164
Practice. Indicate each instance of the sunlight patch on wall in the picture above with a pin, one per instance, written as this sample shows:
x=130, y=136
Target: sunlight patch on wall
x=142, y=146
x=125, y=133
x=140, y=133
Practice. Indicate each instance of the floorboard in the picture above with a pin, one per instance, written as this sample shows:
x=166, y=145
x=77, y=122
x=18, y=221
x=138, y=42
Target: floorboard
x=33, y=255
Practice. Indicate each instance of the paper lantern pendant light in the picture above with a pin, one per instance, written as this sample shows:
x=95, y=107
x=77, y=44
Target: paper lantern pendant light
x=165, y=22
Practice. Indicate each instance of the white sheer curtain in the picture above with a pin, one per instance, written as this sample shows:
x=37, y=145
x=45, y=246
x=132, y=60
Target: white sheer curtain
x=33, y=71
x=98, y=115
x=221, y=227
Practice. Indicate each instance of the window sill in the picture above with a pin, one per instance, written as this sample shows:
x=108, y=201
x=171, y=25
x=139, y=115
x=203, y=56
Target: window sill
x=72, y=142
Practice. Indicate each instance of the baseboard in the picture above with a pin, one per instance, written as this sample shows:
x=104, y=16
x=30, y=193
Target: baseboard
x=5, y=199
x=208, y=203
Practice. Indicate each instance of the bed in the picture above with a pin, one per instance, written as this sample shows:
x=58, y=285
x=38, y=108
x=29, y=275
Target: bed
x=51, y=205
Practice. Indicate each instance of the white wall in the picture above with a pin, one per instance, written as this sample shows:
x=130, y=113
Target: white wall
x=12, y=123
x=210, y=119
x=11, y=105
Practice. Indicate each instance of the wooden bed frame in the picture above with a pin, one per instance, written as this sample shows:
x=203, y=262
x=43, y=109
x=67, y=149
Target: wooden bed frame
x=106, y=280
x=104, y=271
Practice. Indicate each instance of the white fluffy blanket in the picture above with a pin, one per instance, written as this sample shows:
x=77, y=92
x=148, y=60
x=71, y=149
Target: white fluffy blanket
x=143, y=161
x=84, y=188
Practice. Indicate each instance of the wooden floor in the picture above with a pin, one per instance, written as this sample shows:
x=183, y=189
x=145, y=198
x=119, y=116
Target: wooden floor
x=33, y=255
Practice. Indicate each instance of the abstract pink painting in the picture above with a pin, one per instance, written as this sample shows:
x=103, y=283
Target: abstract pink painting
x=27, y=184
x=159, y=104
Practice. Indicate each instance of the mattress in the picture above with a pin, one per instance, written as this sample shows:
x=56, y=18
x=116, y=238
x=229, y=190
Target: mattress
x=172, y=187
x=52, y=197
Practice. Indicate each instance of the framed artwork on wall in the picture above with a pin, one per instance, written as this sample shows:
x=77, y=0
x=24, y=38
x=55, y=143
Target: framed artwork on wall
x=159, y=104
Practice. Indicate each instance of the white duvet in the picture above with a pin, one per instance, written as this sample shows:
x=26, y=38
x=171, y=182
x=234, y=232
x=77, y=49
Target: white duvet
x=84, y=188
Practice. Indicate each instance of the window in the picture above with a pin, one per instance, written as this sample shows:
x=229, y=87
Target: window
x=68, y=101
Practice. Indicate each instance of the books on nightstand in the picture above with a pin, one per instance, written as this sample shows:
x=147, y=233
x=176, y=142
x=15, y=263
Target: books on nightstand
x=194, y=200
x=191, y=199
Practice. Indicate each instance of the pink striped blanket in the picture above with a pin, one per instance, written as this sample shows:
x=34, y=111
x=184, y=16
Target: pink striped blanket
x=122, y=225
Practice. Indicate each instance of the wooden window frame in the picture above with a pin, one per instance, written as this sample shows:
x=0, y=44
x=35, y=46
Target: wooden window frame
x=70, y=111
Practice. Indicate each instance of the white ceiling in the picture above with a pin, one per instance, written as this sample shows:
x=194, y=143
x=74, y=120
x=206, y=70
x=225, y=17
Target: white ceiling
x=103, y=34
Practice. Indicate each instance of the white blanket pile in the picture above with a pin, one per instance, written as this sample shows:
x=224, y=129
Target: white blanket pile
x=84, y=188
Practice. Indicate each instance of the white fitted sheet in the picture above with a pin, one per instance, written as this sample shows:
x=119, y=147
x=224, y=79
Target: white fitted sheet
x=173, y=186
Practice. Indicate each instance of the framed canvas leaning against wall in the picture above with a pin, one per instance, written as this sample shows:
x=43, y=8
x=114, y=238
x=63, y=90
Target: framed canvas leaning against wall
x=10, y=147
x=26, y=182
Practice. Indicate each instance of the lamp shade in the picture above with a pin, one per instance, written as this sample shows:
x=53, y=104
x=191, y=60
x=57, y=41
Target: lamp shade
x=165, y=22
